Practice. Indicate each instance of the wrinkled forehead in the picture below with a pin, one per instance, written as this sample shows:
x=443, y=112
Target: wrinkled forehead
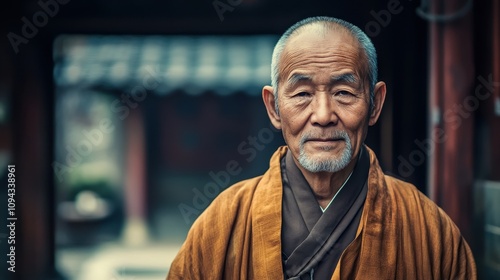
x=323, y=29
x=320, y=40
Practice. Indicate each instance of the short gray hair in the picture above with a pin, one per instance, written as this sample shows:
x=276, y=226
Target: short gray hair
x=365, y=44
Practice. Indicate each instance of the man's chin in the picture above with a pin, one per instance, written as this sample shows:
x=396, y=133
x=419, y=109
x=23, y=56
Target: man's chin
x=326, y=157
x=318, y=166
x=324, y=152
x=332, y=160
x=325, y=146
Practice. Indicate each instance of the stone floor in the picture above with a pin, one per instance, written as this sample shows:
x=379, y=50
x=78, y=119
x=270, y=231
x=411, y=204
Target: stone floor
x=116, y=262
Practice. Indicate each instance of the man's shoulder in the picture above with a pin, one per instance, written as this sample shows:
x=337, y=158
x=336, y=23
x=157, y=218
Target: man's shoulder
x=407, y=193
x=391, y=187
x=409, y=200
x=270, y=180
x=242, y=188
x=237, y=196
x=237, y=199
x=401, y=187
x=405, y=199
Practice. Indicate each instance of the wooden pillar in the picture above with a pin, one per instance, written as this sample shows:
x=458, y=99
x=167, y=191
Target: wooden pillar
x=494, y=121
x=452, y=81
x=136, y=231
x=33, y=132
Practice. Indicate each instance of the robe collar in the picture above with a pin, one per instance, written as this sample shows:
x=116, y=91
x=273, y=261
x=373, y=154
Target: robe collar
x=307, y=231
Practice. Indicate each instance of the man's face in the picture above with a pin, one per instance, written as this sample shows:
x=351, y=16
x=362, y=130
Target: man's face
x=323, y=99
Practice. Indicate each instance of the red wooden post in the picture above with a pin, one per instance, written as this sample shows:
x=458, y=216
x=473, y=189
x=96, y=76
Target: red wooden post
x=135, y=231
x=452, y=81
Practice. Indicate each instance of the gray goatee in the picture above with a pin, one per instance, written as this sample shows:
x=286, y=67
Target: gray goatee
x=326, y=165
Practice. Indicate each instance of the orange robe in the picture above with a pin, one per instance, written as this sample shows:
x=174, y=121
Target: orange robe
x=402, y=234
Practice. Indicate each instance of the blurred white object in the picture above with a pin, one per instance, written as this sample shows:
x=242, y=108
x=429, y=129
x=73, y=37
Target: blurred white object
x=87, y=206
x=116, y=262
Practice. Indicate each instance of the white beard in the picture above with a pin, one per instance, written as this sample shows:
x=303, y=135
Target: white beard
x=328, y=165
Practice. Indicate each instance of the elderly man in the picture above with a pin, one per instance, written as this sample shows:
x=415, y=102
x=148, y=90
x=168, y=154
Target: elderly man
x=324, y=209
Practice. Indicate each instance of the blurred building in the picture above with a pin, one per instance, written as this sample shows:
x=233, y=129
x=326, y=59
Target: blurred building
x=124, y=119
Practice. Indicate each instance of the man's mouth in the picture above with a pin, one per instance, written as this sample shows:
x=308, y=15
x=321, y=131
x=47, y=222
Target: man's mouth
x=324, y=139
x=332, y=138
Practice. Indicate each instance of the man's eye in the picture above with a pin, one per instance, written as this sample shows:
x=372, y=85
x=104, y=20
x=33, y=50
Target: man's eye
x=303, y=94
x=343, y=93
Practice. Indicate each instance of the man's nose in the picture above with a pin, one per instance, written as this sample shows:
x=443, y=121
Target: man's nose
x=324, y=110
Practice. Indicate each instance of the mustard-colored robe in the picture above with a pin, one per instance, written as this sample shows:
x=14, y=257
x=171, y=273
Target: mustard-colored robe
x=402, y=234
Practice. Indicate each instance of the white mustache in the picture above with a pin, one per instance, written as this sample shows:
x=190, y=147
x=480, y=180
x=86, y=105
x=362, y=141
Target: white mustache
x=337, y=134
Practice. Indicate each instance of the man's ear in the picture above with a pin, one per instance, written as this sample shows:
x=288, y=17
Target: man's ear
x=378, y=102
x=270, y=102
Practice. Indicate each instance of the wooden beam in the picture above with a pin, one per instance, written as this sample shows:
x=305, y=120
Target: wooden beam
x=452, y=82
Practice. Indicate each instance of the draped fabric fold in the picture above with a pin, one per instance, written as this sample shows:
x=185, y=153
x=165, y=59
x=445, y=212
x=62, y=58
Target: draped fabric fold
x=313, y=241
x=401, y=234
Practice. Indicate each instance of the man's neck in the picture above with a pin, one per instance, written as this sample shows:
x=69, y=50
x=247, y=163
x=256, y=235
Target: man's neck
x=325, y=184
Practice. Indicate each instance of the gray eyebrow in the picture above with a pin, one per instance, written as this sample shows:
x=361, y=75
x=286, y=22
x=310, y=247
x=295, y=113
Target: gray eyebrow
x=344, y=78
x=347, y=78
x=296, y=78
